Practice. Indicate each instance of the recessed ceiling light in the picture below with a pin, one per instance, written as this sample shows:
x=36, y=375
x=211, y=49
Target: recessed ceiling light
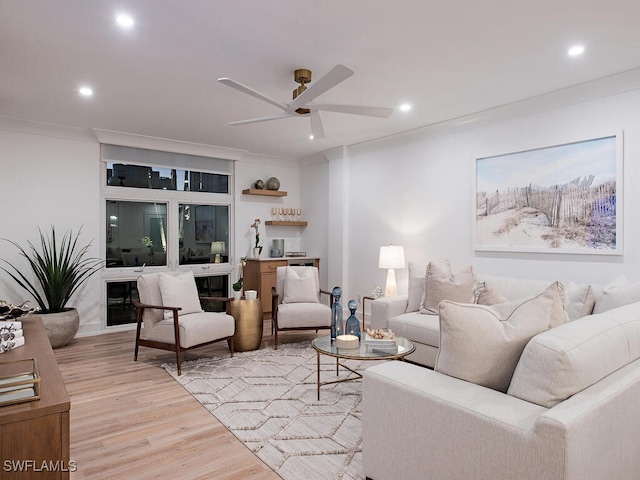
x=405, y=107
x=311, y=137
x=124, y=20
x=576, y=51
x=85, y=91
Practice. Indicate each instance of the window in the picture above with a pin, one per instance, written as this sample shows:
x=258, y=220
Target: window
x=136, y=234
x=164, y=211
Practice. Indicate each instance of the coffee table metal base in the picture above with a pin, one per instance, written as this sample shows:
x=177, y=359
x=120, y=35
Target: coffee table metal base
x=323, y=346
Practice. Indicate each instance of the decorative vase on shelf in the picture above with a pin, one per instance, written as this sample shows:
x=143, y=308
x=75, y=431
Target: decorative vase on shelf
x=237, y=294
x=352, y=327
x=337, y=328
x=256, y=252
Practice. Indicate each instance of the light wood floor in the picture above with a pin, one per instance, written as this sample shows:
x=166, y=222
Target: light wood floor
x=132, y=420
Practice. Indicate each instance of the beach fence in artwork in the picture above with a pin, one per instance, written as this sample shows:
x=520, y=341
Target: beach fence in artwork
x=576, y=203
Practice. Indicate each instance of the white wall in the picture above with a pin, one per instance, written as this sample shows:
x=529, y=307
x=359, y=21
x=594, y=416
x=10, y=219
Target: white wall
x=417, y=191
x=44, y=181
x=249, y=207
x=50, y=175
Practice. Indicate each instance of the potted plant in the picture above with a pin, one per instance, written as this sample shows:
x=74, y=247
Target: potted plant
x=59, y=270
x=237, y=287
x=257, y=249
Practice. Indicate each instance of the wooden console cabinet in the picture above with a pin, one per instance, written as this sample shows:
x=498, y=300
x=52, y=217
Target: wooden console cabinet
x=34, y=436
x=260, y=275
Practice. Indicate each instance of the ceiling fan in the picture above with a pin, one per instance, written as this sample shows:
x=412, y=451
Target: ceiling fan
x=302, y=104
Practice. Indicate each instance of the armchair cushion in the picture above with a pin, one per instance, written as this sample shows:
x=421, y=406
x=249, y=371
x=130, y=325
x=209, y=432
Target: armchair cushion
x=300, y=286
x=179, y=291
x=195, y=328
x=301, y=315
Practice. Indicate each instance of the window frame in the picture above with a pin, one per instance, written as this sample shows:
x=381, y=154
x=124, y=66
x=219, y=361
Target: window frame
x=172, y=199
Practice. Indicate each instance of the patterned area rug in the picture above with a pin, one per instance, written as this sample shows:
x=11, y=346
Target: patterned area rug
x=268, y=400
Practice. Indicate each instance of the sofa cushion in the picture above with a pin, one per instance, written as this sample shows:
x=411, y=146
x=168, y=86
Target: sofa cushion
x=417, y=327
x=563, y=361
x=179, y=291
x=513, y=288
x=482, y=344
x=441, y=285
x=617, y=293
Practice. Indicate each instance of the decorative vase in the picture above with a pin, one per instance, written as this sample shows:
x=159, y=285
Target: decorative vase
x=337, y=328
x=273, y=183
x=256, y=252
x=61, y=327
x=352, y=327
x=237, y=294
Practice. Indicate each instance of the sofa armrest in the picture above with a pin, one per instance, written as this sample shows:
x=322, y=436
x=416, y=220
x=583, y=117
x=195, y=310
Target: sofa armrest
x=418, y=423
x=382, y=309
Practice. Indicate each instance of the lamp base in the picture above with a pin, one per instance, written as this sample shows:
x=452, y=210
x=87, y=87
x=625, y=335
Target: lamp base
x=391, y=290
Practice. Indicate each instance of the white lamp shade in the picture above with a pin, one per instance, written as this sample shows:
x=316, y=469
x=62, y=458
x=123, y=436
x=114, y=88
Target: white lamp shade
x=217, y=248
x=391, y=256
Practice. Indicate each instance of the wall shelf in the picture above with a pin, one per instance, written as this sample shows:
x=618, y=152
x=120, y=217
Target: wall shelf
x=265, y=193
x=284, y=223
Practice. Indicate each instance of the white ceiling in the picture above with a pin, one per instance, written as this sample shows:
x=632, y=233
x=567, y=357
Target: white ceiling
x=448, y=59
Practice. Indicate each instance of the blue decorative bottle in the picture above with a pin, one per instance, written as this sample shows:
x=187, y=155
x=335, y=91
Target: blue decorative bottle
x=352, y=326
x=337, y=328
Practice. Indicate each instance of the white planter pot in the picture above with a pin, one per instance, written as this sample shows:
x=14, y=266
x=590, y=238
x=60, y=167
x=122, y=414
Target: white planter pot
x=237, y=295
x=256, y=252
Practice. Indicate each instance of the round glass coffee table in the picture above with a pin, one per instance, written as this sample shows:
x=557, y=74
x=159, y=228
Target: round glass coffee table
x=324, y=346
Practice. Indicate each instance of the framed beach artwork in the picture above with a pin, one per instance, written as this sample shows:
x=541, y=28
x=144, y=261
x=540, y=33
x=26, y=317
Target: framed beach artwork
x=558, y=199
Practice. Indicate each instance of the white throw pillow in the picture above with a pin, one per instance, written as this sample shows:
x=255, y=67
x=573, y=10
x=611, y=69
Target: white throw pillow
x=300, y=286
x=581, y=300
x=416, y=286
x=179, y=291
x=442, y=285
x=482, y=344
x=617, y=293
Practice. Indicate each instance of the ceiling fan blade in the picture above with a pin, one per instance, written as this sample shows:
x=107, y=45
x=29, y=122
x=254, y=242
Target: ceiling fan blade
x=254, y=93
x=317, y=130
x=337, y=74
x=260, y=119
x=352, y=109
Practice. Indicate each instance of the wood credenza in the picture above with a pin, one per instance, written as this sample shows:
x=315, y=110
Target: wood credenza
x=260, y=275
x=34, y=436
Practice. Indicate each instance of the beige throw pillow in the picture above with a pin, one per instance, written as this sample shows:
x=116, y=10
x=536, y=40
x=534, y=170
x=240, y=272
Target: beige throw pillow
x=300, y=286
x=442, y=285
x=581, y=300
x=482, y=344
x=486, y=295
x=179, y=291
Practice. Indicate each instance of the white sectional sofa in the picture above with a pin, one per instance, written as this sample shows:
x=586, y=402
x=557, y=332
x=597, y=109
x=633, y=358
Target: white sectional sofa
x=401, y=315
x=571, y=410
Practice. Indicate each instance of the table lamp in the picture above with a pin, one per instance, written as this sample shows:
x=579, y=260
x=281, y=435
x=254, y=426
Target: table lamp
x=217, y=249
x=391, y=257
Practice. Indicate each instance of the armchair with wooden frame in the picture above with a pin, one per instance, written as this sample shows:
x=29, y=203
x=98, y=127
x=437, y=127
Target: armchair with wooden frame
x=295, y=301
x=170, y=316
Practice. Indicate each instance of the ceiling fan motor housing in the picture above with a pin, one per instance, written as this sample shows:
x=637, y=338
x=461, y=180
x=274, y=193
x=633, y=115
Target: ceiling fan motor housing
x=301, y=76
